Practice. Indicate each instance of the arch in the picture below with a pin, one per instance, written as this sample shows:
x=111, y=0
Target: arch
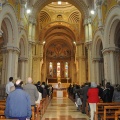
x=58, y=24
x=23, y=37
x=111, y=22
x=11, y=21
x=44, y=16
x=79, y=4
x=97, y=40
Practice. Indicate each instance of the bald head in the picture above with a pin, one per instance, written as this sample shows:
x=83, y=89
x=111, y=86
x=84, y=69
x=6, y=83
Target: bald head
x=29, y=80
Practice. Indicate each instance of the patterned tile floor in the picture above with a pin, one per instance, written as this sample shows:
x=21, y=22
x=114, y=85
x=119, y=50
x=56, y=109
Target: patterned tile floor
x=63, y=109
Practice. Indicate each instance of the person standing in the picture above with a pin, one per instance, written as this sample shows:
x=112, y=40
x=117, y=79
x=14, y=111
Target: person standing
x=32, y=91
x=9, y=85
x=93, y=98
x=18, y=103
x=84, y=97
x=116, y=94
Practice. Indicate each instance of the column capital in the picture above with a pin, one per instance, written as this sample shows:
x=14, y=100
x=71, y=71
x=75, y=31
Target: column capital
x=89, y=20
x=99, y=2
x=23, y=1
x=11, y=48
x=79, y=43
x=23, y=58
x=31, y=42
x=32, y=20
x=97, y=59
x=85, y=21
x=36, y=57
x=88, y=45
x=110, y=49
x=40, y=42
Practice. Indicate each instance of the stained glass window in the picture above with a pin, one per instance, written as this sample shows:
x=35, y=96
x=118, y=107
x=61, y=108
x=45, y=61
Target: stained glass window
x=58, y=69
x=50, y=69
x=66, y=69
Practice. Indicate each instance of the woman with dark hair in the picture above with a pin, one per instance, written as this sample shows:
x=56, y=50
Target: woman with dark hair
x=106, y=97
x=116, y=94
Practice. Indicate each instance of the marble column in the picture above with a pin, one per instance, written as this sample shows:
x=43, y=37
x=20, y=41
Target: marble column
x=26, y=69
x=117, y=67
x=107, y=72
x=9, y=60
x=30, y=31
x=72, y=70
x=89, y=30
x=81, y=63
x=15, y=62
x=112, y=67
x=41, y=56
x=33, y=29
x=99, y=12
x=4, y=67
x=97, y=70
x=30, y=58
x=22, y=12
x=86, y=30
x=90, y=63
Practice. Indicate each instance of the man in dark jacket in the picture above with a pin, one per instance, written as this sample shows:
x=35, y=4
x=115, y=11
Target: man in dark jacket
x=84, y=96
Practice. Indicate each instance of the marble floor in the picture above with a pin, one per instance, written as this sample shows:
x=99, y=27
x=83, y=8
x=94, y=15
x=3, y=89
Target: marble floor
x=63, y=109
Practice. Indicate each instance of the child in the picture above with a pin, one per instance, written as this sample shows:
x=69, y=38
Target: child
x=78, y=100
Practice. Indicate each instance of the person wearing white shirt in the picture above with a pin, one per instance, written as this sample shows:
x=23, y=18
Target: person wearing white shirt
x=39, y=98
x=9, y=85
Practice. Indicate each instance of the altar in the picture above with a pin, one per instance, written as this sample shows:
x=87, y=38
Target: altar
x=60, y=92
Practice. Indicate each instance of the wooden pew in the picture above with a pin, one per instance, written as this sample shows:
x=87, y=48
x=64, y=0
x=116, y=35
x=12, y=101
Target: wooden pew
x=100, y=108
x=33, y=113
x=2, y=109
x=117, y=114
x=40, y=108
x=111, y=110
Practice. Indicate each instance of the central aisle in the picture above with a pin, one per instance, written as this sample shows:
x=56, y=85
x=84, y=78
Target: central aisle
x=63, y=109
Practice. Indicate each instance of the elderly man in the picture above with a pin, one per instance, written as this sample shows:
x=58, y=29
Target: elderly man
x=18, y=103
x=32, y=91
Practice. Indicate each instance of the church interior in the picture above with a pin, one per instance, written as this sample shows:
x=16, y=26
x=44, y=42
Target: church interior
x=60, y=42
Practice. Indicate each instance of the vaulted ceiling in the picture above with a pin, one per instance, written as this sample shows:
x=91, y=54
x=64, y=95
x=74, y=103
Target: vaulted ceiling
x=60, y=23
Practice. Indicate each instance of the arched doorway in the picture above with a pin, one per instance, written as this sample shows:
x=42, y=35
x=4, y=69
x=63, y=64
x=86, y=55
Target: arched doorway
x=117, y=53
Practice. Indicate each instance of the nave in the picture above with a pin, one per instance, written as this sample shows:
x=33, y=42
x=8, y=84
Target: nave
x=63, y=109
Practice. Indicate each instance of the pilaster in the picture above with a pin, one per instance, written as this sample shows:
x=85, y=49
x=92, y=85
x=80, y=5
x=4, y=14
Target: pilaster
x=90, y=63
x=86, y=30
x=99, y=12
x=109, y=64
